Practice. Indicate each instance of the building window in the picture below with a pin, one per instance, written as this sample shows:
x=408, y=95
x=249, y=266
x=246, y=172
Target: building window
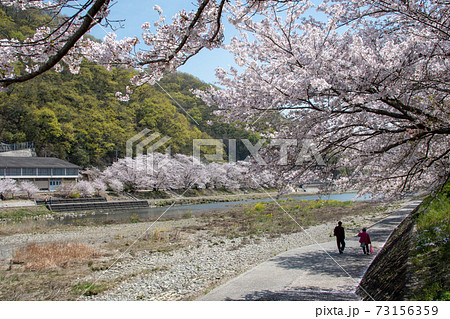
x=13, y=172
x=44, y=171
x=2, y=171
x=54, y=184
x=72, y=171
x=29, y=171
x=59, y=172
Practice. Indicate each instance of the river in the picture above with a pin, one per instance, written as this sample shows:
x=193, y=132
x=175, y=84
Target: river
x=181, y=210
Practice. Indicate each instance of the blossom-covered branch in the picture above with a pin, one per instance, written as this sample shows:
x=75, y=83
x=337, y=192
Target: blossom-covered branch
x=63, y=42
x=370, y=86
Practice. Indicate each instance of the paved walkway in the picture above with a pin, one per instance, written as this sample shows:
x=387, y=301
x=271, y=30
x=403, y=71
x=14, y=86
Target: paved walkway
x=17, y=203
x=315, y=272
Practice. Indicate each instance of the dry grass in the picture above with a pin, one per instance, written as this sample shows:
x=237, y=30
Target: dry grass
x=49, y=271
x=44, y=256
x=157, y=240
x=25, y=227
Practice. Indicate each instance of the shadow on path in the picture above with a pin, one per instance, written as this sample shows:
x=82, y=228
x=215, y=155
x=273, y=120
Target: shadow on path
x=320, y=263
x=298, y=295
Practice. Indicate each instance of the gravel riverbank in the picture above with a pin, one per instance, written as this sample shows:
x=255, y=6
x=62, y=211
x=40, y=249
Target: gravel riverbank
x=197, y=261
x=186, y=273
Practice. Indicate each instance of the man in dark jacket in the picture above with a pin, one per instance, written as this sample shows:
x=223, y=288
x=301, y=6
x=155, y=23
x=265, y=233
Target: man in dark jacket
x=340, y=236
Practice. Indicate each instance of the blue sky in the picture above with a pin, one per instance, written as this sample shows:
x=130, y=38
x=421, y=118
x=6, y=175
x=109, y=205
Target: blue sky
x=136, y=12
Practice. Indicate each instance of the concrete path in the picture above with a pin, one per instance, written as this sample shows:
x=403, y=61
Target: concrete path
x=17, y=203
x=315, y=272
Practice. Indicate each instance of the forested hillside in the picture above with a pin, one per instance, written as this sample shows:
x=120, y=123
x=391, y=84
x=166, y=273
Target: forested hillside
x=18, y=24
x=78, y=117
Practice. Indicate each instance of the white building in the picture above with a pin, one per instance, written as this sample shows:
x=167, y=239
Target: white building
x=47, y=173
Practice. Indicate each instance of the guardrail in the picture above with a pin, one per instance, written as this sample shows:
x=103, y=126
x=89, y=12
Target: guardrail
x=16, y=146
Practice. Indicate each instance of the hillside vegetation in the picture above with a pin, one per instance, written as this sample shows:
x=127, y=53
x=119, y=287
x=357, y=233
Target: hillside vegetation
x=79, y=118
x=413, y=264
x=431, y=253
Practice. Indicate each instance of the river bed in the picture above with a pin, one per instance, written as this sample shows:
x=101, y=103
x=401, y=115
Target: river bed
x=181, y=210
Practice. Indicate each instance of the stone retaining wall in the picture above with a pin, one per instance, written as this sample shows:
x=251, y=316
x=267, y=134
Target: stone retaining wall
x=387, y=276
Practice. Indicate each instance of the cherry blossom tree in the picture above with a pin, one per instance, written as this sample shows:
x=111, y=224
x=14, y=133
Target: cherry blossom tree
x=85, y=188
x=124, y=174
x=8, y=187
x=115, y=185
x=217, y=176
x=233, y=175
x=99, y=187
x=368, y=89
x=142, y=172
x=164, y=172
x=66, y=190
x=29, y=188
x=91, y=173
x=190, y=171
x=262, y=179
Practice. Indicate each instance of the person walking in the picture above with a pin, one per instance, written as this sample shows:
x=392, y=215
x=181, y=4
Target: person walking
x=340, y=237
x=364, y=240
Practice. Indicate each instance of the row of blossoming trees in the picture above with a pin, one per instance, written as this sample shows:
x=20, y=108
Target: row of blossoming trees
x=156, y=172
x=10, y=187
x=160, y=172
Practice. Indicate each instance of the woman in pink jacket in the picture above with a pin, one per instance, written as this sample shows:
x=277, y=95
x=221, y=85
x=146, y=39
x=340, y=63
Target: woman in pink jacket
x=364, y=239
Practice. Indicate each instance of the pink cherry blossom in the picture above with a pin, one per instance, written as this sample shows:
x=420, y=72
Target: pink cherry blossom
x=29, y=188
x=369, y=86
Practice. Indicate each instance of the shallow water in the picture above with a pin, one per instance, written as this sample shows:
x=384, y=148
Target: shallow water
x=180, y=211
